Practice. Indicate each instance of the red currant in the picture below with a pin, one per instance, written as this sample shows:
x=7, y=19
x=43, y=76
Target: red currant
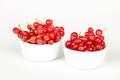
x=74, y=34
x=16, y=30
x=68, y=44
x=46, y=37
x=75, y=47
x=36, y=24
x=99, y=32
x=40, y=33
x=39, y=40
x=98, y=40
x=49, y=22
x=81, y=48
x=50, y=42
x=91, y=41
x=90, y=29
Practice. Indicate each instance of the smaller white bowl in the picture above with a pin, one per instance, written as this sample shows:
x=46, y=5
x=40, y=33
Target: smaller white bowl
x=84, y=60
x=40, y=52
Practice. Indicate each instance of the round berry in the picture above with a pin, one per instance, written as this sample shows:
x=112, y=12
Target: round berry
x=90, y=29
x=36, y=24
x=98, y=32
x=74, y=34
x=49, y=22
x=68, y=43
x=75, y=47
x=46, y=37
x=16, y=30
x=81, y=48
x=50, y=42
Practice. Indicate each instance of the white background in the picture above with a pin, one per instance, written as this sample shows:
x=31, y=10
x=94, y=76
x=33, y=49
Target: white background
x=74, y=15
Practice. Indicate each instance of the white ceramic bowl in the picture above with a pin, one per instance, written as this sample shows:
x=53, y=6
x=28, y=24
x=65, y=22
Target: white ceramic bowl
x=40, y=52
x=84, y=60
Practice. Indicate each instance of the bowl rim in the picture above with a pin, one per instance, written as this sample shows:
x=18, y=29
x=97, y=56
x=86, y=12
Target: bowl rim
x=39, y=44
x=86, y=51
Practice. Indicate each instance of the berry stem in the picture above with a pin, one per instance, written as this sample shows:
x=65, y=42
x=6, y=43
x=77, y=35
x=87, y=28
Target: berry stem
x=39, y=21
x=19, y=26
x=79, y=34
x=104, y=29
x=30, y=25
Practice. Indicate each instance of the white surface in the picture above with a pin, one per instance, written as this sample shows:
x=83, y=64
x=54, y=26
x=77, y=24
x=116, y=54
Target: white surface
x=74, y=15
x=40, y=52
x=84, y=60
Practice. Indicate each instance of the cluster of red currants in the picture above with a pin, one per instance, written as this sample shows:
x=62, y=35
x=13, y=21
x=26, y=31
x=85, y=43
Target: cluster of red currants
x=40, y=33
x=91, y=41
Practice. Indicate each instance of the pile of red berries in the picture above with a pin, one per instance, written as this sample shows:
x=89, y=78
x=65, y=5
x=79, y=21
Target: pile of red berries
x=40, y=33
x=91, y=41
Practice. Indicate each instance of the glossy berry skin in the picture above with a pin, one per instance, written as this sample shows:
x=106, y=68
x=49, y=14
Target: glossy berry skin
x=99, y=32
x=91, y=37
x=49, y=22
x=36, y=24
x=50, y=42
x=98, y=40
x=75, y=47
x=74, y=34
x=39, y=40
x=40, y=33
x=68, y=44
x=29, y=26
x=81, y=48
x=46, y=37
x=16, y=30
x=91, y=41
x=90, y=29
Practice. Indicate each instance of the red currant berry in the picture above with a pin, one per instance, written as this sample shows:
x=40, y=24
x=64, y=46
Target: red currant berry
x=57, y=38
x=98, y=32
x=46, y=37
x=25, y=33
x=103, y=44
x=50, y=42
x=90, y=29
x=52, y=35
x=101, y=37
x=29, y=26
x=68, y=43
x=25, y=38
x=16, y=30
x=81, y=48
x=49, y=22
x=98, y=47
x=62, y=29
x=91, y=37
x=32, y=40
x=39, y=40
x=50, y=29
x=86, y=34
x=36, y=24
x=20, y=35
x=98, y=40
x=39, y=26
x=78, y=41
x=73, y=38
x=75, y=47
x=74, y=34
x=89, y=42
x=40, y=31
x=83, y=38
x=62, y=33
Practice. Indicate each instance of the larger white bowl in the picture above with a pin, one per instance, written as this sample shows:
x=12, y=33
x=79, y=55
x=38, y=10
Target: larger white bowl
x=40, y=52
x=84, y=60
